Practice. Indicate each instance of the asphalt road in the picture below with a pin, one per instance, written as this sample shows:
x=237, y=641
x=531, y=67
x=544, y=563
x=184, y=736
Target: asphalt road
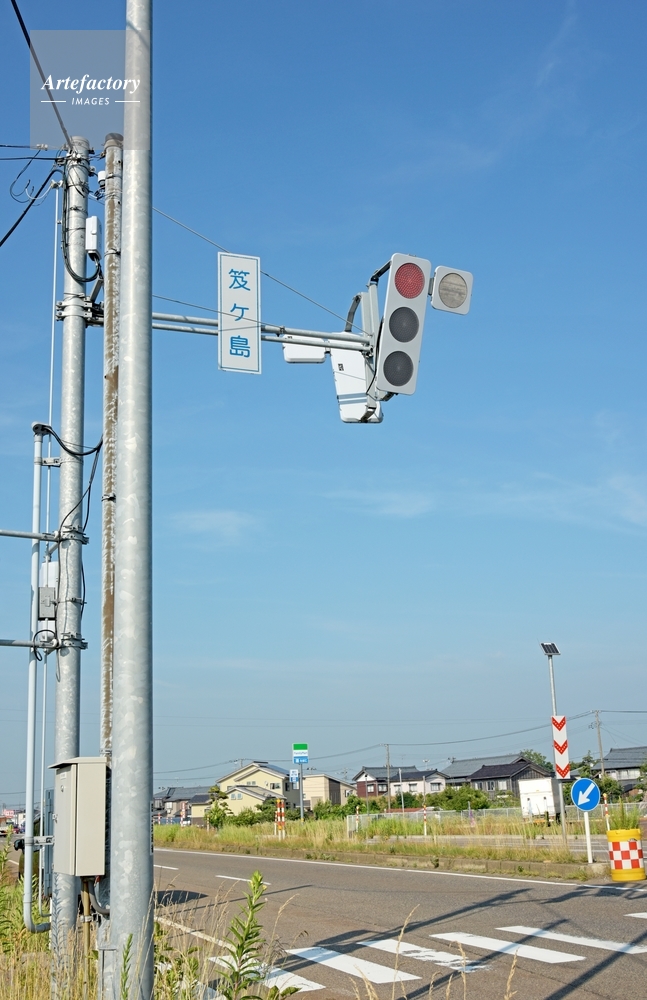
x=573, y=940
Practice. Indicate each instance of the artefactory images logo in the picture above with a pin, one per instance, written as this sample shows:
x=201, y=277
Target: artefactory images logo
x=79, y=84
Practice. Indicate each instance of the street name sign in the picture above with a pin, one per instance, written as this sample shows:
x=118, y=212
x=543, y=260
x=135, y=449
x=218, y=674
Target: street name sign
x=299, y=753
x=585, y=794
x=239, y=313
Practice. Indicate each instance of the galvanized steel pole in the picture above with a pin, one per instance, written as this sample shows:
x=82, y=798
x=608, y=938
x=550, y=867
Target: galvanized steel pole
x=70, y=589
x=32, y=695
x=112, y=189
x=111, y=277
x=131, y=856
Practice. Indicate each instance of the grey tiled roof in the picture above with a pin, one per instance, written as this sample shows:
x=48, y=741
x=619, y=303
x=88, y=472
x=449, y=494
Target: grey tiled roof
x=465, y=768
x=624, y=757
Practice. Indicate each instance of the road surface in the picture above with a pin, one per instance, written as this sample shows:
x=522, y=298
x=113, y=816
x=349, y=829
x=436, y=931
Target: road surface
x=340, y=927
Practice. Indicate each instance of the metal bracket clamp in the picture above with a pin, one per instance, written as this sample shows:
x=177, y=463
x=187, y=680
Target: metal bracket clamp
x=53, y=461
x=73, y=640
x=44, y=841
x=84, y=306
x=67, y=534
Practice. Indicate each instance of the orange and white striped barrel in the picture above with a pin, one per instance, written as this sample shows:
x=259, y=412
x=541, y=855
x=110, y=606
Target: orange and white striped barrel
x=626, y=855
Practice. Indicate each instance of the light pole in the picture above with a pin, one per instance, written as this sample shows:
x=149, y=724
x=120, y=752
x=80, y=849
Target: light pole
x=550, y=649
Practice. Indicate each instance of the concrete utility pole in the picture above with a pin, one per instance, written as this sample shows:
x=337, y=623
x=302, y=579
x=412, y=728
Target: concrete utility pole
x=111, y=278
x=70, y=588
x=388, y=776
x=131, y=854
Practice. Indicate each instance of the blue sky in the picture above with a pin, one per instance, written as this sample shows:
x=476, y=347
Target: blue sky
x=357, y=585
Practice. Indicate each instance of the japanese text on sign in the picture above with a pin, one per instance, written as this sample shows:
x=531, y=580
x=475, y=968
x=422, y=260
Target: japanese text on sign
x=239, y=313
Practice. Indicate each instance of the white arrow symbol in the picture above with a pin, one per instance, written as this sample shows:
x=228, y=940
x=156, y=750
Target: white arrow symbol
x=585, y=795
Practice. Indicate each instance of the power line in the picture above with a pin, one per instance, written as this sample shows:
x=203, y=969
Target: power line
x=266, y=273
x=42, y=75
x=181, y=302
x=29, y=206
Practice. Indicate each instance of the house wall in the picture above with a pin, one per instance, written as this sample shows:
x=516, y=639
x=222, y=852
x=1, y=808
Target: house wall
x=238, y=800
x=321, y=788
x=255, y=775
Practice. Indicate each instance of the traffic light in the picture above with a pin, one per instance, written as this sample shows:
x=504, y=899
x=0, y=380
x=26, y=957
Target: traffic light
x=452, y=290
x=400, y=337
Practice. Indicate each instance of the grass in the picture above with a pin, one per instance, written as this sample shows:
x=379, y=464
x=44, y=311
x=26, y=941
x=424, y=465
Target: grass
x=325, y=838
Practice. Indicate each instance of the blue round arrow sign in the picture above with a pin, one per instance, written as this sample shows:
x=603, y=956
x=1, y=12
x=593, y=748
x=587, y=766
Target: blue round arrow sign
x=585, y=794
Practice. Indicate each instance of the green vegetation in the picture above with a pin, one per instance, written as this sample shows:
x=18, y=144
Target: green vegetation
x=538, y=758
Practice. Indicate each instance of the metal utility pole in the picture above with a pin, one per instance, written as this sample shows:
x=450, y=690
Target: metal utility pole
x=301, y=791
x=131, y=853
x=70, y=589
x=111, y=277
x=562, y=807
x=31, y=698
x=597, y=725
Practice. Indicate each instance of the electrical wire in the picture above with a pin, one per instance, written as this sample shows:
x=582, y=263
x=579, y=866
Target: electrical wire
x=29, y=206
x=181, y=302
x=205, y=767
x=30, y=159
x=86, y=492
x=40, y=70
x=64, y=244
x=272, y=277
x=66, y=447
x=43, y=159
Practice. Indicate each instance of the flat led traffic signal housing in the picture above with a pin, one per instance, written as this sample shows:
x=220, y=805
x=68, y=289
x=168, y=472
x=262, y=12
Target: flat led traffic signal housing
x=452, y=290
x=400, y=339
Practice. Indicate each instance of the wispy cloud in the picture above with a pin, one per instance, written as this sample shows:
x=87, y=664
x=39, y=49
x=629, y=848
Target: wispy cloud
x=617, y=502
x=390, y=503
x=545, y=95
x=228, y=527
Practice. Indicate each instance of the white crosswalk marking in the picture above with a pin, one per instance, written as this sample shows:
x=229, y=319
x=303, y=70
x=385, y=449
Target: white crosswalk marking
x=448, y=959
x=510, y=948
x=280, y=978
x=352, y=966
x=283, y=979
x=585, y=942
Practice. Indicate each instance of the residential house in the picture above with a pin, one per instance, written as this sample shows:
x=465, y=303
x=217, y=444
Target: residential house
x=372, y=782
x=623, y=764
x=262, y=776
x=199, y=805
x=241, y=797
x=173, y=804
x=459, y=772
x=498, y=780
x=325, y=788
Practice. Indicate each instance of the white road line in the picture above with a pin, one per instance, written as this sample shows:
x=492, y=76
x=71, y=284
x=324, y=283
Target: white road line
x=234, y=878
x=641, y=915
x=510, y=948
x=381, y=868
x=352, y=966
x=584, y=942
x=189, y=930
x=168, y=868
x=281, y=978
x=448, y=959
